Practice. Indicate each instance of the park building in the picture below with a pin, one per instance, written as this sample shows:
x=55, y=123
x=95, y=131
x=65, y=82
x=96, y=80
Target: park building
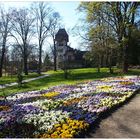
x=66, y=54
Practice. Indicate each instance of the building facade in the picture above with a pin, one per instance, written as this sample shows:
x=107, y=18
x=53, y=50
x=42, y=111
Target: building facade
x=65, y=54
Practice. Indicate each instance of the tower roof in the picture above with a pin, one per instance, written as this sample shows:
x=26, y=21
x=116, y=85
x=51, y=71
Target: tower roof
x=61, y=35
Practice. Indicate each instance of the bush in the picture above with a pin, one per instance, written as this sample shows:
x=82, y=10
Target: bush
x=20, y=79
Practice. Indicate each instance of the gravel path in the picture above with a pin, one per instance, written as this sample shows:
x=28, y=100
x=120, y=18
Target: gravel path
x=24, y=81
x=123, y=123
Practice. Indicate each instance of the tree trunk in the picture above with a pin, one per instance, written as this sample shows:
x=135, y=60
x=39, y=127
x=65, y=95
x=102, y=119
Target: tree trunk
x=25, y=65
x=2, y=60
x=55, y=61
x=40, y=61
x=110, y=70
x=25, y=61
x=65, y=74
x=2, y=55
x=120, y=53
x=98, y=69
x=110, y=61
x=99, y=64
x=110, y=66
x=125, y=59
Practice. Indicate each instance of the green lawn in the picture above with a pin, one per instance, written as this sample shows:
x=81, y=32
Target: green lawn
x=57, y=78
x=11, y=79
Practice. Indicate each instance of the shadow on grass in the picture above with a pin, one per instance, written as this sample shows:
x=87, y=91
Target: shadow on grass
x=133, y=72
x=91, y=75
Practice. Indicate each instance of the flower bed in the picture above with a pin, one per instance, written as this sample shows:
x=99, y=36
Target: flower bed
x=62, y=111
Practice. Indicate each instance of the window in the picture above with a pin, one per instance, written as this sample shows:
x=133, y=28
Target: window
x=60, y=44
x=69, y=57
x=60, y=50
x=61, y=57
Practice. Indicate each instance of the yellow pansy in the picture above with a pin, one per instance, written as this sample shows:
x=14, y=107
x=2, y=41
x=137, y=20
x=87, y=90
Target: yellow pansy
x=58, y=128
x=4, y=108
x=57, y=125
x=73, y=101
x=51, y=94
x=66, y=130
x=126, y=83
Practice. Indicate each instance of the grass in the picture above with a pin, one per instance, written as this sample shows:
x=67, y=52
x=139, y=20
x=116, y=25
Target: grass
x=11, y=79
x=57, y=78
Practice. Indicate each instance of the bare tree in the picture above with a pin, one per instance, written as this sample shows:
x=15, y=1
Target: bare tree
x=22, y=25
x=17, y=57
x=53, y=30
x=4, y=32
x=42, y=12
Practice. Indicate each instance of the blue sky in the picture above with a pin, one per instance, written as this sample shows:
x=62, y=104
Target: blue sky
x=70, y=18
x=67, y=10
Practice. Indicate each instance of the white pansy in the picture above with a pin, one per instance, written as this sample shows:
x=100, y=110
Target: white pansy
x=46, y=120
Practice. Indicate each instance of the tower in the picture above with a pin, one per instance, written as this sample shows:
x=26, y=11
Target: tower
x=61, y=39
